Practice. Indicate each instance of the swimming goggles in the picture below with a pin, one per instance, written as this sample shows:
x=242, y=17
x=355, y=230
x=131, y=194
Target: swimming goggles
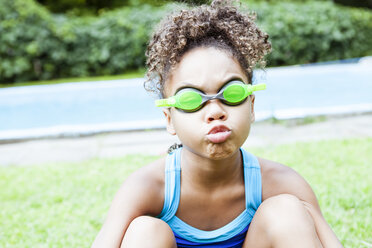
x=191, y=100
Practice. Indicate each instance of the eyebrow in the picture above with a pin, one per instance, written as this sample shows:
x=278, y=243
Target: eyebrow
x=193, y=86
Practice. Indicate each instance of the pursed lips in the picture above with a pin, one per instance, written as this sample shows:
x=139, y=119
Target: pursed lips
x=218, y=134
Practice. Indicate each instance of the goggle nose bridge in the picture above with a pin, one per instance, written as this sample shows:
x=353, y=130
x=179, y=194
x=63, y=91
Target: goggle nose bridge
x=206, y=98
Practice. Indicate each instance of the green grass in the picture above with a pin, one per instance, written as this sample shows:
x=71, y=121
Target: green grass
x=128, y=75
x=64, y=204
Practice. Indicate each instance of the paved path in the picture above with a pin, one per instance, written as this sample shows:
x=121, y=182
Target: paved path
x=156, y=142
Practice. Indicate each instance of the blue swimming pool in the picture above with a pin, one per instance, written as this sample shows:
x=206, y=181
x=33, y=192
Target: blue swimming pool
x=88, y=107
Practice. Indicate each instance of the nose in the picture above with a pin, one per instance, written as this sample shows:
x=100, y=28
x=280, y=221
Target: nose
x=215, y=111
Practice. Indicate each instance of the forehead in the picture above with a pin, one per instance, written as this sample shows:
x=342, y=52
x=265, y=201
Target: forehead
x=206, y=68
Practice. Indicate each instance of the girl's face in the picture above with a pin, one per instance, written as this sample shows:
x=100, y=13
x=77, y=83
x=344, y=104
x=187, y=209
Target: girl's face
x=217, y=130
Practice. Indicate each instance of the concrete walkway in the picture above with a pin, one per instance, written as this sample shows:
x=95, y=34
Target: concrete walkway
x=156, y=142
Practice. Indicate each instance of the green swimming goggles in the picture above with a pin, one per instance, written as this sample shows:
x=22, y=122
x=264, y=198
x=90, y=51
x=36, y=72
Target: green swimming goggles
x=191, y=100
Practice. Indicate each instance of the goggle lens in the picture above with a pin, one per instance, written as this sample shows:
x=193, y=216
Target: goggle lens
x=234, y=93
x=189, y=100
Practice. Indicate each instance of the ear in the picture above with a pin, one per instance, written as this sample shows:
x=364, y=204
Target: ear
x=168, y=118
x=253, y=116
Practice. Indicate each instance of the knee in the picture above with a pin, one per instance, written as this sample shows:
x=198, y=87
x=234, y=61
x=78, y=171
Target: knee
x=147, y=224
x=284, y=214
x=280, y=205
x=146, y=230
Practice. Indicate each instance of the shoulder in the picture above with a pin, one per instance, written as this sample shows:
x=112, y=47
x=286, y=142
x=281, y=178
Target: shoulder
x=144, y=189
x=280, y=179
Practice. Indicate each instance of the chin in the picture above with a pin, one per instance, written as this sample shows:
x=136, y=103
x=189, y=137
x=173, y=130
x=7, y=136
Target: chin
x=220, y=150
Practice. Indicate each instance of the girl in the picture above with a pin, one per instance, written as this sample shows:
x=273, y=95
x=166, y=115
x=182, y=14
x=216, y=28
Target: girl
x=209, y=192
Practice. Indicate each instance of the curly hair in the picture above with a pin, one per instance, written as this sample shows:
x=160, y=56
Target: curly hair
x=218, y=25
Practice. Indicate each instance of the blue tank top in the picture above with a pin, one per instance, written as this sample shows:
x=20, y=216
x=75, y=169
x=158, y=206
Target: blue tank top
x=221, y=237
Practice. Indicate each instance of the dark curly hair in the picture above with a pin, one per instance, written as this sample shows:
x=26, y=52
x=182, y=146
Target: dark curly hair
x=218, y=25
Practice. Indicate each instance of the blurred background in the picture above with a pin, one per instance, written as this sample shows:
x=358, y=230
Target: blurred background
x=47, y=39
x=75, y=120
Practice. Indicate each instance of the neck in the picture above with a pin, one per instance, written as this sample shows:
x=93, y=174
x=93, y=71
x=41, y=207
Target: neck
x=210, y=174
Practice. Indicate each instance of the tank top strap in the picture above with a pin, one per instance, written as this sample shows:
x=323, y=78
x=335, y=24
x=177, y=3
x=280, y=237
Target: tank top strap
x=252, y=181
x=172, y=185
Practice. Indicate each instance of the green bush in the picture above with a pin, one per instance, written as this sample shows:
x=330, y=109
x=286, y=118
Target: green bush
x=28, y=46
x=110, y=44
x=315, y=31
x=37, y=45
x=41, y=46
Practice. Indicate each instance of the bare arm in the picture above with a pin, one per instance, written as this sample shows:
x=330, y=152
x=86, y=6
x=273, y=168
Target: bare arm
x=141, y=194
x=279, y=179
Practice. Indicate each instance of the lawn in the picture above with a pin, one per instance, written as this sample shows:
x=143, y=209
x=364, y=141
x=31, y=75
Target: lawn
x=64, y=204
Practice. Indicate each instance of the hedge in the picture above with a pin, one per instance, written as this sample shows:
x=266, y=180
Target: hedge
x=107, y=45
x=28, y=46
x=36, y=45
x=315, y=31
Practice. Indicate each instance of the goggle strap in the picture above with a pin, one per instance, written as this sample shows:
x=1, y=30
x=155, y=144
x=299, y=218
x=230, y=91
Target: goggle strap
x=169, y=102
x=251, y=88
x=259, y=87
